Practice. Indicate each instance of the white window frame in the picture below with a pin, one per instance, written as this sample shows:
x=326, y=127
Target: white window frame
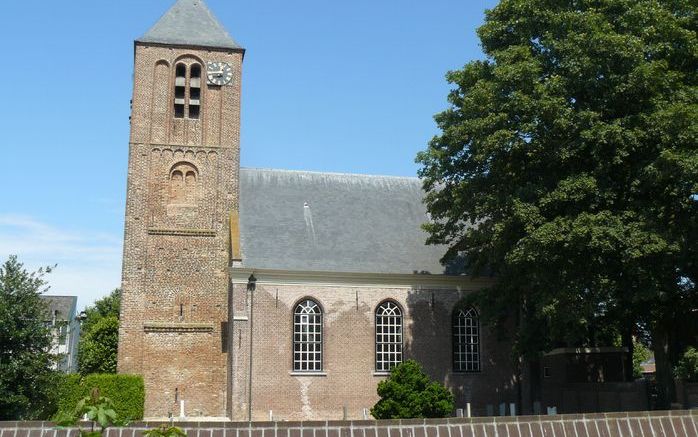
x=466, y=340
x=307, y=336
x=389, y=336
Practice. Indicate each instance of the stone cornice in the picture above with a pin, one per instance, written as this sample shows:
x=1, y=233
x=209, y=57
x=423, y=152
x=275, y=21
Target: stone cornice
x=227, y=50
x=240, y=275
x=179, y=146
x=177, y=327
x=586, y=350
x=183, y=232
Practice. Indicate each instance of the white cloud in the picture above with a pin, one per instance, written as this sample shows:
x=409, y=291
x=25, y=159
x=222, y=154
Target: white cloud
x=89, y=264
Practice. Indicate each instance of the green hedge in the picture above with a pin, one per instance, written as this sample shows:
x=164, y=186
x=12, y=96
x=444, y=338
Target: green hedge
x=126, y=392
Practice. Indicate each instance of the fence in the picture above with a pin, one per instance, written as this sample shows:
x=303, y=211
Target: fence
x=642, y=424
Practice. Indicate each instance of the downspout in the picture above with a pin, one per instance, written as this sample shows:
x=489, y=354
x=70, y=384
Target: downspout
x=251, y=285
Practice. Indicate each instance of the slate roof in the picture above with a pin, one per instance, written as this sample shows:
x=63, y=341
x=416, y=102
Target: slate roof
x=308, y=221
x=191, y=23
x=65, y=305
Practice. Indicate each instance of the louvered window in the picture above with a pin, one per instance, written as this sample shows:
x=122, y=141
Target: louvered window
x=187, y=91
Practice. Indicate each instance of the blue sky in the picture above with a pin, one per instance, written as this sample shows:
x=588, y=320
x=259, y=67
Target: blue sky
x=342, y=86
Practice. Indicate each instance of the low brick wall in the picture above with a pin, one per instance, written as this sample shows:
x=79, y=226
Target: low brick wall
x=687, y=393
x=642, y=424
x=592, y=397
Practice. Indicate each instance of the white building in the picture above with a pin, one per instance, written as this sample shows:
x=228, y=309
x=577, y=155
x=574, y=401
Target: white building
x=61, y=313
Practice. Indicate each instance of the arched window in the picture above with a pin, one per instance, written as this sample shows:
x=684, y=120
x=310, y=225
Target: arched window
x=307, y=337
x=466, y=340
x=388, y=336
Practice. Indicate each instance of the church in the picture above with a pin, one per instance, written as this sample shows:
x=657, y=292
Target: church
x=258, y=294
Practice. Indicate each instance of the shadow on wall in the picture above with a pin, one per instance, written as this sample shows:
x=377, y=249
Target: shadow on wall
x=429, y=339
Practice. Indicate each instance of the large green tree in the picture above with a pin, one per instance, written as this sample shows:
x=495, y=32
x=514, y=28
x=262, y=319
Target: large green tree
x=97, y=350
x=108, y=306
x=27, y=377
x=566, y=167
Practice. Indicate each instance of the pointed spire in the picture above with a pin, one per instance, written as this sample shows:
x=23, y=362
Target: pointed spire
x=191, y=23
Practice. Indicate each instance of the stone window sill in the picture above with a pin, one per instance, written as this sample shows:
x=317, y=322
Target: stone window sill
x=381, y=373
x=307, y=373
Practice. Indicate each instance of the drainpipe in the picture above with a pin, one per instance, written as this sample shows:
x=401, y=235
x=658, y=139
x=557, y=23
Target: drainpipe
x=251, y=286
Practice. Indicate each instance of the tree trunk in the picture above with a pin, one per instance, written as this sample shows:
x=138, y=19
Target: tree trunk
x=532, y=386
x=628, y=363
x=664, y=374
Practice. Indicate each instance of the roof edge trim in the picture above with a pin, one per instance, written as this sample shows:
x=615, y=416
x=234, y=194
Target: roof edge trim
x=329, y=173
x=190, y=46
x=240, y=275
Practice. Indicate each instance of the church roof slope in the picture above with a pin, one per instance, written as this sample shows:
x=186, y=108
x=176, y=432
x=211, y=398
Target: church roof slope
x=191, y=23
x=308, y=221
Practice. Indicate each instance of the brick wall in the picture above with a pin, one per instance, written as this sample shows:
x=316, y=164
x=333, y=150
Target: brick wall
x=349, y=378
x=182, y=185
x=687, y=393
x=593, y=397
x=644, y=424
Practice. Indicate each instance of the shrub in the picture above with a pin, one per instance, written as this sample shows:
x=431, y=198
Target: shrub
x=126, y=392
x=69, y=393
x=409, y=393
x=97, y=409
x=687, y=368
x=164, y=431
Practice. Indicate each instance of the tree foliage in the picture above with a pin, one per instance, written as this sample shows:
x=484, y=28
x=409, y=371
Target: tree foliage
x=566, y=166
x=97, y=350
x=105, y=307
x=98, y=347
x=409, y=393
x=687, y=368
x=27, y=377
x=640, y=355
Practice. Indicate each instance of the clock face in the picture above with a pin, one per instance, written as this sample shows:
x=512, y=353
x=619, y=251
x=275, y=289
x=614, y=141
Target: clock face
x=219, y=73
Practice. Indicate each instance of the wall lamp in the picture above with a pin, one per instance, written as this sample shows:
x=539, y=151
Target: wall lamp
x=251, y=283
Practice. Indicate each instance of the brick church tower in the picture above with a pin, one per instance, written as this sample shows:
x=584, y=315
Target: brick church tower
x=182, y=197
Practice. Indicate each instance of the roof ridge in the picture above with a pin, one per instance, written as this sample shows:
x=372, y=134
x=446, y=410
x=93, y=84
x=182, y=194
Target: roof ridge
x=331, y=173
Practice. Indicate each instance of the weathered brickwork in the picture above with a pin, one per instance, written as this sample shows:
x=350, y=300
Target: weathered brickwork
x=182, y=186
x=653, y=424
x=348, y=380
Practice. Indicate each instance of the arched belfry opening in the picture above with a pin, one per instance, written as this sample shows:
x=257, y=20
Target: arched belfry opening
x=187, y=90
